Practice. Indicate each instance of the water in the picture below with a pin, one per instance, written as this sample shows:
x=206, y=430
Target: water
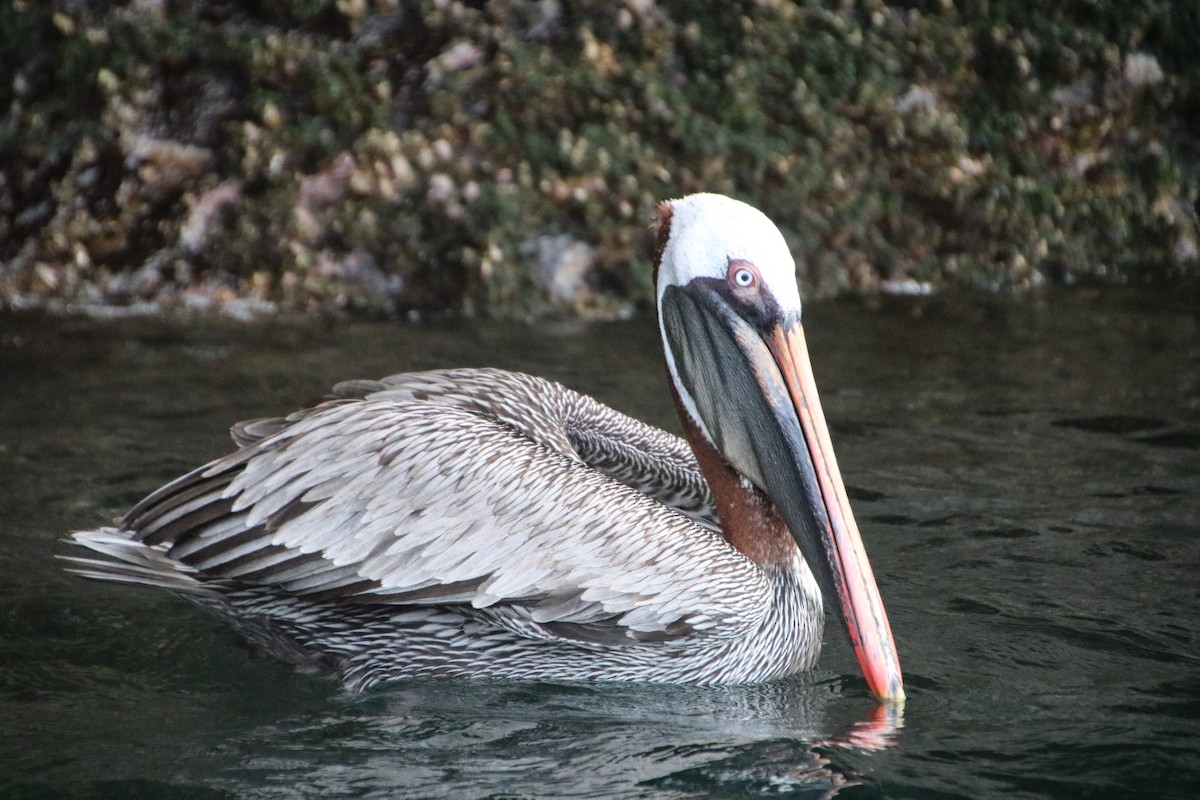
x=1026, y=475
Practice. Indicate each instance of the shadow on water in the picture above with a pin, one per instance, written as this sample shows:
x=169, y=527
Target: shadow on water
x=1024, y=473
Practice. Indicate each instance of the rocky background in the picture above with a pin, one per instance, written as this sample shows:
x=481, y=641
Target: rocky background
x=504, y=157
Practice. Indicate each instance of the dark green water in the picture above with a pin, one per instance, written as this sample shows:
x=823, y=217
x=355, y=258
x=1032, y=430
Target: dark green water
x=1026, y=475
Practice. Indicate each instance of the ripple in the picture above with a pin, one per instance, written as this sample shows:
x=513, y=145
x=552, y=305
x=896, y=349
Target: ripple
x=1187, y=439
x=967, y=605
x=1118, y=424
x=763, y=769
x=1004, y=533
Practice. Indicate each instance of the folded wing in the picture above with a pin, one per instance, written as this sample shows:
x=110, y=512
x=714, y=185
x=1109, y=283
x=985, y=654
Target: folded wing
x=392, y=493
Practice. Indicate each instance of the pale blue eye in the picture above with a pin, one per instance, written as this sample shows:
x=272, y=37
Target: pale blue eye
x=743, y=278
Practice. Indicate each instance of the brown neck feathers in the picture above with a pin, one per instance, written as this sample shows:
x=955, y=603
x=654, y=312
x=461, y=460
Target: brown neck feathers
x=660, y=231
x=749, y=520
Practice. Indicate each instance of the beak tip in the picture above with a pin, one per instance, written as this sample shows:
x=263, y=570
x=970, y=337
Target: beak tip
x=888, y=692
x=881, y=667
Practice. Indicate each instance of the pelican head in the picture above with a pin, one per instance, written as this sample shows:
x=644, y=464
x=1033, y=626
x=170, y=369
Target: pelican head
x=729, y=312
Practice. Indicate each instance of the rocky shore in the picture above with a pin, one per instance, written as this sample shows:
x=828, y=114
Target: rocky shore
x=503, y=158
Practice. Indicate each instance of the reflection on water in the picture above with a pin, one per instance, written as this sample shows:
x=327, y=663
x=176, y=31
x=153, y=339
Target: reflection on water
x=527, y=740
x=1025, y=475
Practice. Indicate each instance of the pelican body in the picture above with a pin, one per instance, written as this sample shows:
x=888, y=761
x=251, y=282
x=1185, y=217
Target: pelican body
x=478, y=522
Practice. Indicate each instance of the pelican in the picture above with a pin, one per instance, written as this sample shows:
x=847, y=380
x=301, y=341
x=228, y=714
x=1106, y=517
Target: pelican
x=478, y=522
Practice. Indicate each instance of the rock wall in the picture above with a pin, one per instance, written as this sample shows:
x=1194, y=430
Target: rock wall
x=504, y=157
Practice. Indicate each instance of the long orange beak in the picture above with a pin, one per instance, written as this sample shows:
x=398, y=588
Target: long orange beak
x=850, y=572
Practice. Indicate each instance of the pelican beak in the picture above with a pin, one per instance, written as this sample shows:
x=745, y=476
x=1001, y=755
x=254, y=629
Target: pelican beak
x=746, y=369
x=848, y=570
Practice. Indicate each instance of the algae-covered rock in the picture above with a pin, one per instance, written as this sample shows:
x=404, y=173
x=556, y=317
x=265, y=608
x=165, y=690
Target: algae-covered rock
x=505, y=157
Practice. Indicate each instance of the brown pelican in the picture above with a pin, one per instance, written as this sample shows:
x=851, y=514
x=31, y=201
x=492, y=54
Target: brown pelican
x=477, y=522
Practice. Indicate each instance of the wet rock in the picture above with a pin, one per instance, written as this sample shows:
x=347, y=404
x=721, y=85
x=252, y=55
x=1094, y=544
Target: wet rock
x=1142, y=69
x=360, y=269
x=320, y=192
x=563, y=265
x=163, y=165
x=204, y=211
x=917, y=98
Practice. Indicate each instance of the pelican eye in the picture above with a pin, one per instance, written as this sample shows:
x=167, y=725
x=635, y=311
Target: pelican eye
x=743, y=275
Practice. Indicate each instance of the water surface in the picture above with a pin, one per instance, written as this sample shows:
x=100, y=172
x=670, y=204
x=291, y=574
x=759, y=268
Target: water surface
x=1026, y=475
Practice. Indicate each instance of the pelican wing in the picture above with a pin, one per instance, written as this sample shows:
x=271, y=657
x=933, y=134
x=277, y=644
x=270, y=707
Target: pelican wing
x=641, y=456
x=402, y=492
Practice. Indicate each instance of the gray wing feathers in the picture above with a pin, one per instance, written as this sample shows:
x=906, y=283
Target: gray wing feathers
x=639, y=455
x=466, y=487
x=130, y=561
x=524, y=526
